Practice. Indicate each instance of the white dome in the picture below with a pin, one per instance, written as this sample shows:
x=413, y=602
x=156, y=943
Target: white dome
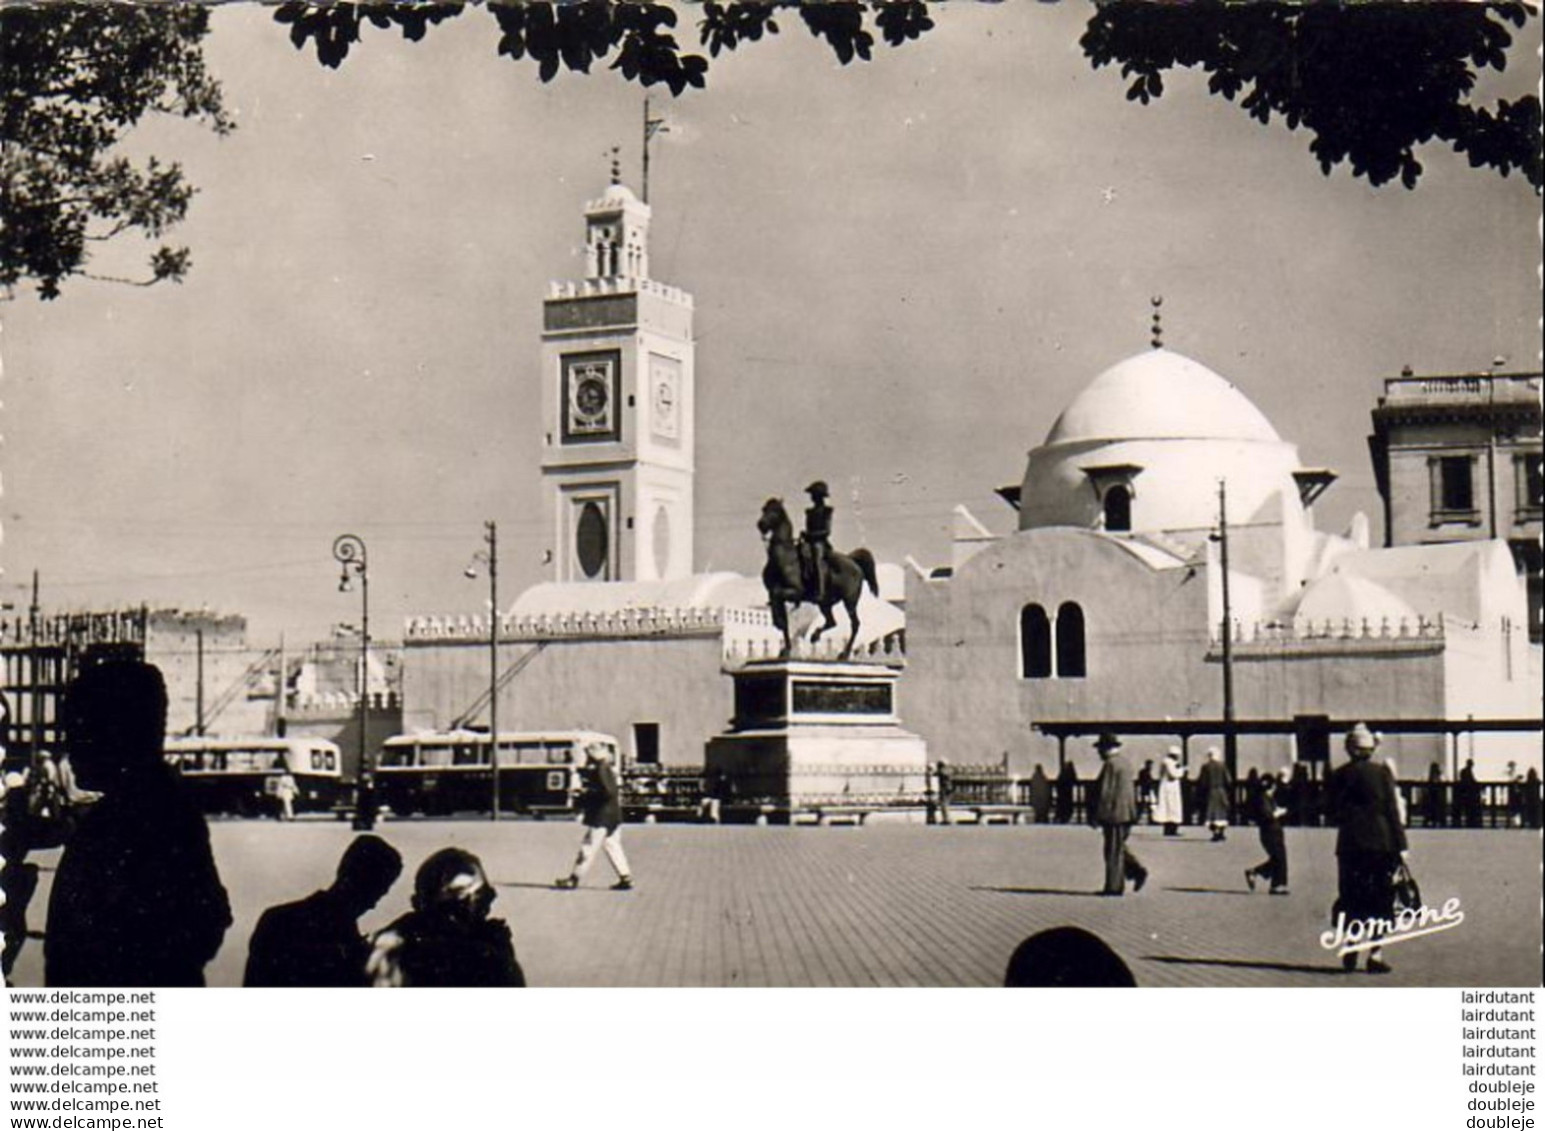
x=1160, y=395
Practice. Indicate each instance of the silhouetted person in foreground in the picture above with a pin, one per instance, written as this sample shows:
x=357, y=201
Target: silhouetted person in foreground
x=448, y=938
x=18, y=878
x=316, y=941
x=1067, y=956
x=137, y=900
x=1040, y=794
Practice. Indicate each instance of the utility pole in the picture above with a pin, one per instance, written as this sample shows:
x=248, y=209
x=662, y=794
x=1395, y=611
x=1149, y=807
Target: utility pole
x=35, y=676
x=1230, y=740
x=280, y=686
x=198, y=702
x=492, y=538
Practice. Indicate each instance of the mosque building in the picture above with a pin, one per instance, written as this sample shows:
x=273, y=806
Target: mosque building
x=1106, y=605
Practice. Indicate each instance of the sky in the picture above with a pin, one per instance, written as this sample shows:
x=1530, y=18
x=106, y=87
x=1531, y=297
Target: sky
x=903, y=270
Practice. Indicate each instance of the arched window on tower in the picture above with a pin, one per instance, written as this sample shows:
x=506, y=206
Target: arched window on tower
x=1034, y=643
x=1072, y=662
x=1118, y=508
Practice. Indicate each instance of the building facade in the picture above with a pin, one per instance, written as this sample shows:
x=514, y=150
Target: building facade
x=1457, y=458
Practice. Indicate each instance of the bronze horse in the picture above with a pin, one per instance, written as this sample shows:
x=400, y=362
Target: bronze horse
x=785, y=577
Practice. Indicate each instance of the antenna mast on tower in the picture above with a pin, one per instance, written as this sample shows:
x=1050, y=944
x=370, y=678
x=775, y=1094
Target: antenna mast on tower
x=652, y=126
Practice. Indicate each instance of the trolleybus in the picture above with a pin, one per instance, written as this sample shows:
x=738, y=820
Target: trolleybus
x=448, y=771
x=241, y=775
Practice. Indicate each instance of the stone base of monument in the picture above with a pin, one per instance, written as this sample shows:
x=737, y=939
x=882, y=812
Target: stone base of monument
x=818, y=741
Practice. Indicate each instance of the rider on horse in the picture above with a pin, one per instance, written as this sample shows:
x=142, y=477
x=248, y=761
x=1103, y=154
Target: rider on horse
x=817, y=539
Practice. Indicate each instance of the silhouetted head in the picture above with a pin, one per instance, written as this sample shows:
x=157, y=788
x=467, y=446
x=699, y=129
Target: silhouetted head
x=115, y=716
x=1361, y=742
x=818, y=490
x=1107, y=744
x=451, y=885
x=596, y=752
x=366, y=872
x=1066, y=956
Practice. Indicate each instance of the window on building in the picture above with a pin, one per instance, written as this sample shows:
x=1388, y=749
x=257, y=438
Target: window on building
x=1034, y=643
x=1528, y=484
x=1071, y=659
x=646, y=744
x=1453, y=489
x=1118, y=508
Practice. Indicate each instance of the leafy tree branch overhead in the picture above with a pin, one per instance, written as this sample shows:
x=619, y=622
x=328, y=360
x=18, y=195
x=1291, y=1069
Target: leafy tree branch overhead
x=74, y=80
x=1370, y=82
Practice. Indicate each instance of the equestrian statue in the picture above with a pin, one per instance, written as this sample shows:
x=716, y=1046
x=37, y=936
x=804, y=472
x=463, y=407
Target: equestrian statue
x=808, y=569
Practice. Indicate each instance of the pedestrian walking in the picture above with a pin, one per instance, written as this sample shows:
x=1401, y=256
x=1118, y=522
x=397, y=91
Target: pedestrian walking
x=1370, y=841
x=1040, y=795
x=1147, y=787
x=316, y=941
x=137, y=900
x=601, y=811
x=285, y=791
x=944, y=781
x=1067, y=786
x=1435, y=807
x=1213, y=784
x=1114, y=813
x=1269, y=813
x=1170, y=809
x=1468, y=797
x=447, y=940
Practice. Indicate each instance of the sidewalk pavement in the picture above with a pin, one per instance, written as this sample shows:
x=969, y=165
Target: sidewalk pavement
x=902, y=905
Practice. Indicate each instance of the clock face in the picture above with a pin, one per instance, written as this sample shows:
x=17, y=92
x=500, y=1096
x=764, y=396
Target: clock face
x=665, y=398
x=591, y=402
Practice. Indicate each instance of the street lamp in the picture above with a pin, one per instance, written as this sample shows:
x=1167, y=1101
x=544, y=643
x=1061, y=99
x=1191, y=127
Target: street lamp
x=349, y=552
x=490, y=558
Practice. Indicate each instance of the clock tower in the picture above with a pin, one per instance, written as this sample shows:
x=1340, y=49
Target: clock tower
x=617, y=400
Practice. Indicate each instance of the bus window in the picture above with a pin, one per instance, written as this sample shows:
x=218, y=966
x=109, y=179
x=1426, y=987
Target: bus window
x=393, y=756
x=316, y=759
x=331, y=761
x=434, y=757
x=560, y=755
x=467, y=755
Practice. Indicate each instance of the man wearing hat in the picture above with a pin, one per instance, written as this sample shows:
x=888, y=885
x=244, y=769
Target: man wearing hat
x=818, y=534
x=1370, y=841
x=1115, y=812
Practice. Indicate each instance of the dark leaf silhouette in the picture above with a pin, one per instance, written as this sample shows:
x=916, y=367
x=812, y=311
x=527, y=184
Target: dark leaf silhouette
x=75, y=79
x=1369, y=81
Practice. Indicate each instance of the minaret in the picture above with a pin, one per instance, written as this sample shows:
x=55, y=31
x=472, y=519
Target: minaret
x=617, y=407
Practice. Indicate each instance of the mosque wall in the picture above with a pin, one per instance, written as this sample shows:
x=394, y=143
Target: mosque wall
x=1145, y=636
x=605, y=684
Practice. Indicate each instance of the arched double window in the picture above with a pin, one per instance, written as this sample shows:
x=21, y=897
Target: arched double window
x=1034, y=643
x=1072, y=662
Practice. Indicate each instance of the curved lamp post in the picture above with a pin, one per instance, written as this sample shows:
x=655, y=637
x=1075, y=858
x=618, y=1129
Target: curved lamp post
x=349, y=552
x=490, y=558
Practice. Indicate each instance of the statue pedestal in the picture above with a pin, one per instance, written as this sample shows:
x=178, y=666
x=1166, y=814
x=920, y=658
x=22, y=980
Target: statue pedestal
x=819, y=738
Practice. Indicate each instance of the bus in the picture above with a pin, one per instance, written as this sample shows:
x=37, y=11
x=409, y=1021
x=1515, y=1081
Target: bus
x=240, y=775
x=446, y=772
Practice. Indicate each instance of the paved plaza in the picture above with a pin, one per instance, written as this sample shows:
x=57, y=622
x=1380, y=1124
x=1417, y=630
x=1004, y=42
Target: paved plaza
x=903, y=905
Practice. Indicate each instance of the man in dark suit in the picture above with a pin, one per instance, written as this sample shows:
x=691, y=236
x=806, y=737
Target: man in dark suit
x=1371, y=841
x=137, y=900
x=1115, y=812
